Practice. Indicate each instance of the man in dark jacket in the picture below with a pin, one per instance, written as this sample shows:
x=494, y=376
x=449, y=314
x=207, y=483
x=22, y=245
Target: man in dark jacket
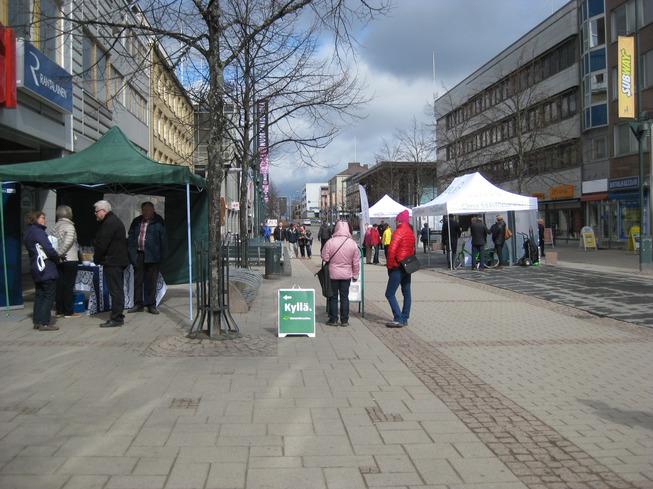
x=147, y=244
x=424, y=236
x=450, y=228
x=292, y=236
x=324, y=234
x=479, y=233
x=111, y=252
x=498, y=232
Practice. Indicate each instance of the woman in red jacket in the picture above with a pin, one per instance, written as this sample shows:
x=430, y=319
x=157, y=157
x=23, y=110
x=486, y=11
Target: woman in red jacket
x=402, y=245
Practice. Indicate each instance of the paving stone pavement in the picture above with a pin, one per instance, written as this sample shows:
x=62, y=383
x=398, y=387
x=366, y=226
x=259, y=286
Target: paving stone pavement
x=356, y=407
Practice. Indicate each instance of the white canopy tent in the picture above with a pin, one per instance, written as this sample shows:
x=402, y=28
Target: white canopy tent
x=473, y=194
x=387, y=208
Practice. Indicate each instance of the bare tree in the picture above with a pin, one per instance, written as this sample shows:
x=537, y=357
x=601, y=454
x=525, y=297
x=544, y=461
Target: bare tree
x=416, y=144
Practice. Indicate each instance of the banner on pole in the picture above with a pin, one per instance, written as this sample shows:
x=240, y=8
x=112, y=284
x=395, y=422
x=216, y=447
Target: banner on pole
x=626, y=85
x=365, y=212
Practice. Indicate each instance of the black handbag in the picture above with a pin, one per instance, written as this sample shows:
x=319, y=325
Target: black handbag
x=410, y=264
x=324, y=277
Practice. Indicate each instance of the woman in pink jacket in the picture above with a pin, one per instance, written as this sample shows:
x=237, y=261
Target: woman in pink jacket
x=341, y=252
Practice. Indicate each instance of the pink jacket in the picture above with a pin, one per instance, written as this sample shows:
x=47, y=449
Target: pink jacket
x=344, y=264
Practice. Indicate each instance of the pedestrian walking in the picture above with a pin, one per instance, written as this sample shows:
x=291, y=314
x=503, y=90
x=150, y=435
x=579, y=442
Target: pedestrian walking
x=309, y=243
x=367, y=243
x=376, y=242
x=43, y=260
x=64, y=231
x=450, y=229
x=479, y=233
x=324, y=234
x=292, y=237
x=540, y=231
x=424, y=236
x=498, y=232
x=266, y=232
x=402, y=245
x=342, y=255
x=279, y=233
x=111, y=252
x=301, y=241
x=147, y=243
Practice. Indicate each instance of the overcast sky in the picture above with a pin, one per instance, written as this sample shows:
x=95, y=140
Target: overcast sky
x=395, y=59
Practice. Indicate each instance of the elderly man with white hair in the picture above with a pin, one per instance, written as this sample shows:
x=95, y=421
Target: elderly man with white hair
x=111, y=252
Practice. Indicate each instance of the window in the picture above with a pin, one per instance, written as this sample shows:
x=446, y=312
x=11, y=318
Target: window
x=625, y=141
x=597, y=32
x=597, y=60
x=599, y=115
x=117, y=84
x=646, y=69
x=94, y=65
x=595, y=7
x=623, y=20
x=599, y=148
x=614, y=84
x=49, y=28
x=19, y=17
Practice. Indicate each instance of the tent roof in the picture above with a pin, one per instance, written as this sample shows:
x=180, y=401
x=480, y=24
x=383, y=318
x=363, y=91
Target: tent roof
x=473, y=194
x=113, y=159
x=387, y=208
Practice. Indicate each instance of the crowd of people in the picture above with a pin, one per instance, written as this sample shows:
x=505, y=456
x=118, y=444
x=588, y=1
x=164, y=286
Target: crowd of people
x=54, y=260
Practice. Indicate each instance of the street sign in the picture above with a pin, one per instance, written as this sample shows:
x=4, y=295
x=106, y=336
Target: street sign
x=296, y=313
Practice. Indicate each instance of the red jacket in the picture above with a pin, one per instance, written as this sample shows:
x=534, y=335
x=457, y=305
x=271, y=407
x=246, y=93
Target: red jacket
x=402, y=245
x=376, y=238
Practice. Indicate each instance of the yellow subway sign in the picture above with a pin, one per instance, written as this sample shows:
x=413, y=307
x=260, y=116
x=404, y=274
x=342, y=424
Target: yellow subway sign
x=626, y=77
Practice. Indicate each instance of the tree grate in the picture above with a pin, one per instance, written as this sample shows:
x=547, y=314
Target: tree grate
x=184, y=403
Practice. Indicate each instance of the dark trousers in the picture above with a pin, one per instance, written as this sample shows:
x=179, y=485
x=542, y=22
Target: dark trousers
x=376, y=254
x=339, y=288
x=45, y=292
x=480, y=252
x=542, y=247
x=302, y=250
x=322, y=243
x=116, y=283
x=145, y=277
x=498, y=249
x=65, y=285
x=426, y=245
x=451, y=257
x=397, y=277
x=309, y=251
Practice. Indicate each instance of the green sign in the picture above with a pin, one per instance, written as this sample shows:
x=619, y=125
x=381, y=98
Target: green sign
x=296, y=315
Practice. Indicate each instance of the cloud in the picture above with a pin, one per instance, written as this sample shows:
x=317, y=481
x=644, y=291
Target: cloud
x=395, y=59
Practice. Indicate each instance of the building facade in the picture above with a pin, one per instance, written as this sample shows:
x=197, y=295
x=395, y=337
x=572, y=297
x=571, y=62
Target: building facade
x=311, y=200
x=517, y=121
x=338, y=190
x=171, y=113
x=407, y=182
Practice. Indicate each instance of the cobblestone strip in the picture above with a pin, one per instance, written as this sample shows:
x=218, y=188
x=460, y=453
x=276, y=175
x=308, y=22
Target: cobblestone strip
x=546, y=342
x=536, y=453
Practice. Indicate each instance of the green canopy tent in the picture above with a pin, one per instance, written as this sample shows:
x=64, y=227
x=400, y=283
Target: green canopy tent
x=114, y=165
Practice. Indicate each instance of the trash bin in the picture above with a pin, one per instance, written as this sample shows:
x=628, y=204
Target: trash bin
x=273, y=262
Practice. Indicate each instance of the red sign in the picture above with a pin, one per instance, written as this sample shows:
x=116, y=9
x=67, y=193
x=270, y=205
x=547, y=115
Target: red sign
x=7, y=68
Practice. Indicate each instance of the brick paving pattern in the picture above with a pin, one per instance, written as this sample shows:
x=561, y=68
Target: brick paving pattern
x=536, y=453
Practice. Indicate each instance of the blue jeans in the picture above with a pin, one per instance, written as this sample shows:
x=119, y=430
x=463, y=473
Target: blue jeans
x=397, y=277
x=480, y=251
x=339, y=288
x=376, y=254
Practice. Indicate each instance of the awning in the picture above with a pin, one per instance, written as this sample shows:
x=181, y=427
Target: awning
x=593, y=197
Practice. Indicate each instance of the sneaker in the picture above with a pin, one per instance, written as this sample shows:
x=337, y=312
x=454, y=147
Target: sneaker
x=344, y=324
x=394, y=324
x=152, y=310
x=47, y=327
x=331, y=323
x=73, y=315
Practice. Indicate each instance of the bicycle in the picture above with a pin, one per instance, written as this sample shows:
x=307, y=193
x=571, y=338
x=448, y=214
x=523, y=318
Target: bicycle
x=490, y=259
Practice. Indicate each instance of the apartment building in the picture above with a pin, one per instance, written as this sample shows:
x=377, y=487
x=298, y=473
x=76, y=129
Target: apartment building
x=338, y=190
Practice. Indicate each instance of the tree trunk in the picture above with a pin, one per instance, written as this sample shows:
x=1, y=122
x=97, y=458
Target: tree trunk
x=215, y=163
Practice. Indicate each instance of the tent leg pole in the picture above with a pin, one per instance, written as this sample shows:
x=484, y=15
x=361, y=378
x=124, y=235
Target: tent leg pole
x=190, y=255
x=4, y=252
x=450, y=250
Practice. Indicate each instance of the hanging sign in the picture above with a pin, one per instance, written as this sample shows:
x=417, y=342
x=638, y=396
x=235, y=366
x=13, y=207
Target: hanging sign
x=296, y=313
x=626, y=76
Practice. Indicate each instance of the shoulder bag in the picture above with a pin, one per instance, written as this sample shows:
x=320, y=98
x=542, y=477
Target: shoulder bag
x=323, y=274
x=410, y=264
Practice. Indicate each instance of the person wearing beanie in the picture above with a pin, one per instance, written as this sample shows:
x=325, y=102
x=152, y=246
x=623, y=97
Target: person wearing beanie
x=402, y=245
